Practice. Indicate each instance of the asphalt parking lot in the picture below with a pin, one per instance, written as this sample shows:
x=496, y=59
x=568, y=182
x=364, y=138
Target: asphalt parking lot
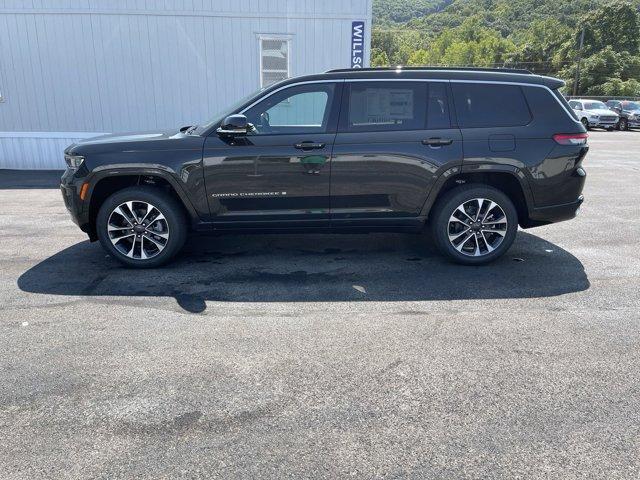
x=325, y=356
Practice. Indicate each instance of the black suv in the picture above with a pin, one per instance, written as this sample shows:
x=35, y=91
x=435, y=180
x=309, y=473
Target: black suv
x=467, y=153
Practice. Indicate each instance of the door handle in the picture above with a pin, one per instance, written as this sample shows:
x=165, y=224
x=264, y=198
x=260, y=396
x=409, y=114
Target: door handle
x=437, y=142
x=309, y=146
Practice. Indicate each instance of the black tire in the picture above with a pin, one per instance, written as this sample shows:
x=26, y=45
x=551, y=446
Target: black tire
x=174, y=222
x=585, y=122
x=624, y=125
x=446, y=206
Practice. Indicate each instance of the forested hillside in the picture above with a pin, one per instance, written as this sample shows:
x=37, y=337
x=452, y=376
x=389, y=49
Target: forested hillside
x=388, y=12
x=540, y=35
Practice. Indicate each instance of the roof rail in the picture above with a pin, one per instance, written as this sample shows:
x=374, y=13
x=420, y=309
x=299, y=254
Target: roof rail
x=426, y=68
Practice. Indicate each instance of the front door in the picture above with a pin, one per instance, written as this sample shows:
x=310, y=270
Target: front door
x=395, y=138
x=279, y=174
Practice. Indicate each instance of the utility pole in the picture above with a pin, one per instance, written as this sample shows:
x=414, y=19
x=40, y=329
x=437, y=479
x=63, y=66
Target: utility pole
x=577, y=79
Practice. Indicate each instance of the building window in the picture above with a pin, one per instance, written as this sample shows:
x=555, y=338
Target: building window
x=274, y=60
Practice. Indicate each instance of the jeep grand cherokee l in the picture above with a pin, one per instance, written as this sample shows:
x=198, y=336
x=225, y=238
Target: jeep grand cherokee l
x=468, y=154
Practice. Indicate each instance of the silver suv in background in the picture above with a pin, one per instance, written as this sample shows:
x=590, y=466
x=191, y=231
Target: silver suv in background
x=594, y=114
x=628, y=111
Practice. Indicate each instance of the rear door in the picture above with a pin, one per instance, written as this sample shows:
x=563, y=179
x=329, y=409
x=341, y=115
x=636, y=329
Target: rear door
x=278, y=175
x=394, y=139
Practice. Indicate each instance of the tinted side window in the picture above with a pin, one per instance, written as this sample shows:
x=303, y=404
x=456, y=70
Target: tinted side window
x=298, y=109
x=384, y=106
x=490, y=105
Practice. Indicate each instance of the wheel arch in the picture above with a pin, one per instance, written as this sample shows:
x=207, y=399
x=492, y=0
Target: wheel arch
x=105, y=184
x=509, y=180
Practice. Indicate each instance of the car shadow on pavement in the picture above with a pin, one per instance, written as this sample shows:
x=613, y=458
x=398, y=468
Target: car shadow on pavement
x=311, y=268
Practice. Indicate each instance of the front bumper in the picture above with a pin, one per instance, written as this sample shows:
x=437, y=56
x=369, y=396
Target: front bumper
x=70, y=189
x=600, y=124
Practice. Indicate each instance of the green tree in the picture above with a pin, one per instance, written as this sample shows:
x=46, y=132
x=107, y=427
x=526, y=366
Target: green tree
x=541, y=35
x=540, y=44
x=617, y=88
x=398, y=44
x=379, y=58
x=613, y=25
x=605, y=67
x=469, y=44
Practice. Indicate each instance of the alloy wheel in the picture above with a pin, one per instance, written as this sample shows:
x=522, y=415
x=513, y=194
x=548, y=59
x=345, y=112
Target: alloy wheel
x=477, y=227
x=138, y=230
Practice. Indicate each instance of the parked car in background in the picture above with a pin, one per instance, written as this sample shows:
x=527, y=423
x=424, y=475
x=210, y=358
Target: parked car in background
x=594, y=114
x=628, y=111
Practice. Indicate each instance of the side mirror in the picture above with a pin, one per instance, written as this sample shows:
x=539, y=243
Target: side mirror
x=235, y=125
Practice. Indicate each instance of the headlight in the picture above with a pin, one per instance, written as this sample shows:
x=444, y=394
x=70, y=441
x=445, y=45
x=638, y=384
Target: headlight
x=74, y=161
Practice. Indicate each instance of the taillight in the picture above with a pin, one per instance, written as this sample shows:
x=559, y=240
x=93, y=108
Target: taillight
x=571, y=138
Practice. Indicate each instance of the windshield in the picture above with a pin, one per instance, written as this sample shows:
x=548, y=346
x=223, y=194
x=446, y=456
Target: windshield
x=632, y=105
x=228, y=111
x=595, y=106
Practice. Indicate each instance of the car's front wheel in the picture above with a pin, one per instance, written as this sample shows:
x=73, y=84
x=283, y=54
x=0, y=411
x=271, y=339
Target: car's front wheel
x=474, y=224
x=585, y=122
x=624, y=125
x=142, y=227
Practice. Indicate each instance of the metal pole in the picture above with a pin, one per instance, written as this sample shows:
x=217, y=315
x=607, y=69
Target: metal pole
x=577, y=79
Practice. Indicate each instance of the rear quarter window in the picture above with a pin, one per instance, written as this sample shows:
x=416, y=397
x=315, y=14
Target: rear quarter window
x=551, y=112
x=490, y=105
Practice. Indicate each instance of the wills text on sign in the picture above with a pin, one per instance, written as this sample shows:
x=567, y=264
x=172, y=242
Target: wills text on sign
x=357, y=44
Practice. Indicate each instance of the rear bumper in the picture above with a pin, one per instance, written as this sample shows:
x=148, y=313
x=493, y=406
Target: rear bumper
x=554, y=213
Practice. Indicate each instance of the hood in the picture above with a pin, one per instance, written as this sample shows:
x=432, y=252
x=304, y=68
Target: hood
x=130, y=137
x=125, y=141
x=602, y=112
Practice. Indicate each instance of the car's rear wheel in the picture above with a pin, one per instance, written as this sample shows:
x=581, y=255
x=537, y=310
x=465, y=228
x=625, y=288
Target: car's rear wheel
x=142, y=227
x=474, y=224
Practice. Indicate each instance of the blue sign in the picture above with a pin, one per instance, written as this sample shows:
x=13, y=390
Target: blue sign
x=357, y=44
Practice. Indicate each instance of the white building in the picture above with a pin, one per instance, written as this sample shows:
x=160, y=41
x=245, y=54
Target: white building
x=71, y=69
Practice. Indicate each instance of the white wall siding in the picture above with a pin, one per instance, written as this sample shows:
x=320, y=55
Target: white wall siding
x=36, y=150
x=123, y=65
